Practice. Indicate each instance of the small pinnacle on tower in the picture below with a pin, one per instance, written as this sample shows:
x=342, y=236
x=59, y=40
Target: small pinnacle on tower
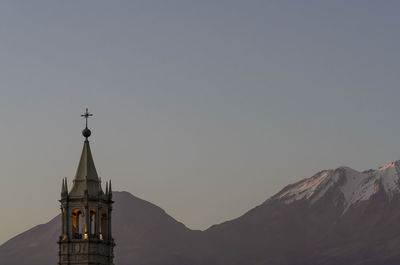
x=63, y=187
x=66, y=186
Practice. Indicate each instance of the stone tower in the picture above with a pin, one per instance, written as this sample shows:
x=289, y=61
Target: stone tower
x=86, y=237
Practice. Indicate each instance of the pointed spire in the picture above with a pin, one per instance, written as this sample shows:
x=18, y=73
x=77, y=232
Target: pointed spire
x=86, y=178
x=107, y=188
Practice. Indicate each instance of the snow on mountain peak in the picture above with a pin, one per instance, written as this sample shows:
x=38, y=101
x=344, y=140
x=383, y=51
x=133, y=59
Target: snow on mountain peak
x=355, y=186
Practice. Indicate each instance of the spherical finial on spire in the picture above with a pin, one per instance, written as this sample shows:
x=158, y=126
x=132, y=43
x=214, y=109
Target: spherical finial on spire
x=86, y=132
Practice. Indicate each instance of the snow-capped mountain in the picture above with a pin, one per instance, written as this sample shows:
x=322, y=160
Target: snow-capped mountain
x=353, y=185
x=337, y=216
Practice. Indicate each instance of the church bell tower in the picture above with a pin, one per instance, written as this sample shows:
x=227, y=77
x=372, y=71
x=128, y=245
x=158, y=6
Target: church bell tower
x=86, y=237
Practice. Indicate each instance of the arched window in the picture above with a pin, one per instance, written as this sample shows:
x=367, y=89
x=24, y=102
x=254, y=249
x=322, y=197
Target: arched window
x=103, y=226
x=93, y=222
x=77, y=225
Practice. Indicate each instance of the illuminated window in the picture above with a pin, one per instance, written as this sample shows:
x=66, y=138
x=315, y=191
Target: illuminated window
x=77, y=225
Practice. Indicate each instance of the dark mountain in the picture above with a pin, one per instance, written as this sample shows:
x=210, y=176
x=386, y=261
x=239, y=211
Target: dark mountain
x=144, y=233
x=338, y=216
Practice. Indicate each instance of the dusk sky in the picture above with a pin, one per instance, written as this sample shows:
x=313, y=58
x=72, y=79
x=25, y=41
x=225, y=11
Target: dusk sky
x=204, y=108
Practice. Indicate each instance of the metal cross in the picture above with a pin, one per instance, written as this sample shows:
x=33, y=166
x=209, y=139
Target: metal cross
x=86, y=115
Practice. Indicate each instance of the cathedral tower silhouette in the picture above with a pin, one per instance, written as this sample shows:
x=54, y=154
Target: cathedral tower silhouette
x=86, y=237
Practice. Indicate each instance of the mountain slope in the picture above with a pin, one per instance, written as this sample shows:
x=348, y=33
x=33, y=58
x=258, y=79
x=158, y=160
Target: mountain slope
x=35, y=246
x=145, y=234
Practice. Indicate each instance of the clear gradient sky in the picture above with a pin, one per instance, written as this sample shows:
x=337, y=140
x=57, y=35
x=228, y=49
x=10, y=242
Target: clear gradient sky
x=205, y=108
